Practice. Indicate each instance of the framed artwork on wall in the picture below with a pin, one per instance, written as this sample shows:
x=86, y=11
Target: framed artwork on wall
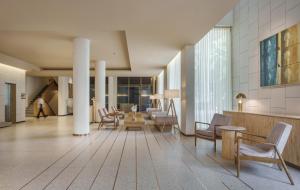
x=280, y=58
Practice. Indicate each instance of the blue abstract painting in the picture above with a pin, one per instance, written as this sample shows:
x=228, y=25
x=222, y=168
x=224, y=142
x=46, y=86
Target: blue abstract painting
x=268, y=61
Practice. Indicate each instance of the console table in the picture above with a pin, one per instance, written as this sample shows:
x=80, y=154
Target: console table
x=262, y=124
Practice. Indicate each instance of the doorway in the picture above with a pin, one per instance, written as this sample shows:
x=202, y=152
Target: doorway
x=10, y=102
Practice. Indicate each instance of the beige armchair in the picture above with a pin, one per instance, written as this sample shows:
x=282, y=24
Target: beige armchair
x=212, y=133
x=268, y=151
x=120, y=114
x=106, y=119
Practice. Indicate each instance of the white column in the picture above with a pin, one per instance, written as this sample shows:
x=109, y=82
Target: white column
x=81, y=86
x=112, y=92
x=187, y=90
x=100, y=85
x=63, y=95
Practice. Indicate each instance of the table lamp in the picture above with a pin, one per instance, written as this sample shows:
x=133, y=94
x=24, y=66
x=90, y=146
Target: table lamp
x=240, y=98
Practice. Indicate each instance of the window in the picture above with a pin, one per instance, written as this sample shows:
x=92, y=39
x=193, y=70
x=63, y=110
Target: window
x=92, y=90
x=213, y=74
x=134, y=90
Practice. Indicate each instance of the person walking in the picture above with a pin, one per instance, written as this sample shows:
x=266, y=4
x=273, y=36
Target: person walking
x=41, y=104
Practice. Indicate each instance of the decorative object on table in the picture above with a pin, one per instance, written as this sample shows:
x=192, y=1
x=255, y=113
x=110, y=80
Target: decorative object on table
x=171, y=94
x=134, y=110
x=268, y=149
x=240, y=98
x=279, y=58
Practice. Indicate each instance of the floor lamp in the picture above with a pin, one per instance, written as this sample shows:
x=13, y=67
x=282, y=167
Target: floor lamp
x=158, y=97
x=171, y=94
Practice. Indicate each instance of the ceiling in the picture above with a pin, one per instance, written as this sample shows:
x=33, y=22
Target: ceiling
x=135, y=37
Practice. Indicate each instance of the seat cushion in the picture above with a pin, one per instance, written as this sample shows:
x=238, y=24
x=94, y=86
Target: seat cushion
x=255, y=150
x=205, y=133
x=105, y=119
x=165, y=120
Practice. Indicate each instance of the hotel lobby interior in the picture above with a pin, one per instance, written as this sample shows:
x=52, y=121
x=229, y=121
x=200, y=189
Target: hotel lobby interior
x=194, y=94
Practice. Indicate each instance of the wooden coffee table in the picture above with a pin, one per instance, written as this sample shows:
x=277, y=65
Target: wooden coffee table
x=229, y=134
x=132, y=121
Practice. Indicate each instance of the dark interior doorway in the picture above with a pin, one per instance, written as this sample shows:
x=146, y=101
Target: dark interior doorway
x=10, y=102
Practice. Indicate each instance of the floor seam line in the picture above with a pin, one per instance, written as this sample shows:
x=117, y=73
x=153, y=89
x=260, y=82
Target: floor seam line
x=71, y=149
x=98, y=172
x=92, y=156
x=70, y=162
x=116, y=176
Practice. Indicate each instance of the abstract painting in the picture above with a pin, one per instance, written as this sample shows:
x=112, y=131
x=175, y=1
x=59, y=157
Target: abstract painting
x=280, y=58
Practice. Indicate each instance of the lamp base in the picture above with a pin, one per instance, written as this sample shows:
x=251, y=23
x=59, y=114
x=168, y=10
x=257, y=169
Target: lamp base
x=240, y=107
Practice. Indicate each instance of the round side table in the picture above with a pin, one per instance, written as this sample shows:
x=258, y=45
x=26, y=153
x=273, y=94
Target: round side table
x=229, y=134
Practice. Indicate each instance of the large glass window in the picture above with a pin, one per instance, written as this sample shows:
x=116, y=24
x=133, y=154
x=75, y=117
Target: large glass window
x=134, y=90
x=92, y=90
x=213, y=74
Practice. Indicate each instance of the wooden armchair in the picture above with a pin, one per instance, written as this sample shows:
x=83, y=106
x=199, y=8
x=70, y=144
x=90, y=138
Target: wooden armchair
x=212, y=133
x=106, y=119
x=268, y=151
x=111, y=115
x=120, y=114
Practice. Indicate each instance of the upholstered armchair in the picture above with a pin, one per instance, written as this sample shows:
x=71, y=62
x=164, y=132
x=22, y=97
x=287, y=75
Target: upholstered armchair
x=120, y=114
x=212, y=133
x=106, y=119
x=268, y=150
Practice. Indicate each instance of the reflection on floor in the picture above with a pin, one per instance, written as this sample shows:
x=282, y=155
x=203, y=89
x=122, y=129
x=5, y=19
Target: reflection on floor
x=43, y=154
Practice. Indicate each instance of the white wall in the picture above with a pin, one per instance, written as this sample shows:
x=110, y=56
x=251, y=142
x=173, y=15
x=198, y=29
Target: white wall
x=16, y=76
x=255, y=20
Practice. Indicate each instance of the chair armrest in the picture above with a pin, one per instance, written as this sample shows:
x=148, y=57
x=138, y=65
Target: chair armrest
x=196, y=122
x=248, y=134
x=199, y=122
x=252, y=140
x=111, y=114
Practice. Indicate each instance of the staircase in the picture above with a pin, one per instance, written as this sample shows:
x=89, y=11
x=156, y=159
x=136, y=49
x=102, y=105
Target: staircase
x=29, y=109
x=49, y=94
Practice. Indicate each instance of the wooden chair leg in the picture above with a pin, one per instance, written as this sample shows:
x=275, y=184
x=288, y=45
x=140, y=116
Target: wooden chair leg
x=195, y=141
x=285, y=168
x=215, y=145
x=238, y=161
x=100, y=125
x=238, y=166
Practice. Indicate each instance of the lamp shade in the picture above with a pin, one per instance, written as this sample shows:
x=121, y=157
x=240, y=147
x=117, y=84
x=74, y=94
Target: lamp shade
x=172, y=93
x=152, y=97
x=240, y=96
x=158, y=96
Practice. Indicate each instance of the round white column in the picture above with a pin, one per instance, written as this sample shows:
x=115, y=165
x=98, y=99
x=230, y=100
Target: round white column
x=81, y=86
x=100, y=85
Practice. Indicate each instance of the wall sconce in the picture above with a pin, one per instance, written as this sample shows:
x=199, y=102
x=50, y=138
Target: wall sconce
x=240, y=98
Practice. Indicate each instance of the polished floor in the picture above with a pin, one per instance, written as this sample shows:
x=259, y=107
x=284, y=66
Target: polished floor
x=43, y=154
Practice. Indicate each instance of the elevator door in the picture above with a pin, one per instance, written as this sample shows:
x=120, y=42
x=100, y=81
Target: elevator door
x=10, y=102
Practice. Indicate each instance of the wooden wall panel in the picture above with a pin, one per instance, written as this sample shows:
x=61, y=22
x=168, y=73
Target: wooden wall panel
x=260, y=124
